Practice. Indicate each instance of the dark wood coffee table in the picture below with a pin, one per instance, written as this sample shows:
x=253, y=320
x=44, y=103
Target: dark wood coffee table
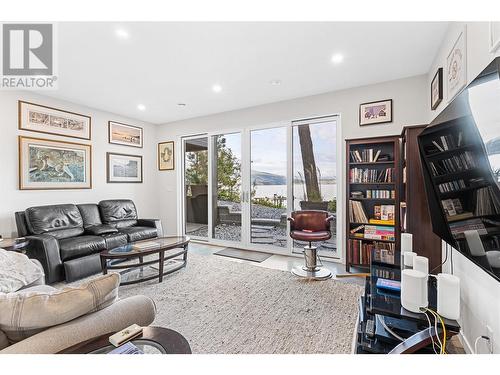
x=154, y=340
x=123, y=258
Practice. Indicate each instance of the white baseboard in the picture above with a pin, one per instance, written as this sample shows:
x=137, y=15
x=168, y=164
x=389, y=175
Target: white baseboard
x=468, y=348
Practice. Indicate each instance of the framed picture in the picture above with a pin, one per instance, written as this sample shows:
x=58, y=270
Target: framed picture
x=123, y=134
x=43, y=119
x=375, y=112
x=437, y=89
x=456, y=67
x=47, y=164
x=494, y=36
x=166, y=156
x=123, y=167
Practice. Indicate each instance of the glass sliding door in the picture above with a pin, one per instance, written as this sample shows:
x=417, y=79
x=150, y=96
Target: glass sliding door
x=314, y=165
x=268, y=187
x=196, y=177
x=226, y=185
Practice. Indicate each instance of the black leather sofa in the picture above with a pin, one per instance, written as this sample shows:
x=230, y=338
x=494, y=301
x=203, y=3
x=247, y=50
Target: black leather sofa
x=68, y=238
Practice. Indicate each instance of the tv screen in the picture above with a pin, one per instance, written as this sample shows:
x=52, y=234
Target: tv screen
x=460, y=152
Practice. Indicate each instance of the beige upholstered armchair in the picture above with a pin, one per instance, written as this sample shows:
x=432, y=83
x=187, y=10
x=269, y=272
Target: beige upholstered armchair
x=43, y=319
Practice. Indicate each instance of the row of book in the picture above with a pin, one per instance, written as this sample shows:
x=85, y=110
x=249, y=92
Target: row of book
x=368, y=155
x=487, y=202
x=357, y=212
x=379, y=232
x=459, y=227
x=384, y=273
x=458, y=163
x=385, y=194
x=447, y=142
x=450, y=186
x=361, y=175
x=361, y=252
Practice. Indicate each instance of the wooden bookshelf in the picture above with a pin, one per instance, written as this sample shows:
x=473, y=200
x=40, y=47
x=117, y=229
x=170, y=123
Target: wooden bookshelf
x=477, y=193
x=414, y=207
x=389, y=147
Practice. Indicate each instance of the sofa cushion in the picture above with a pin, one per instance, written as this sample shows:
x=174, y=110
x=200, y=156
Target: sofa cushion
x=79, y=246
x=99, y=230
x=139, y=233
x=90, y=214
x=114, y=240
x=78, y=268
x=118, y=210
x=63, y=218
x=28, y=312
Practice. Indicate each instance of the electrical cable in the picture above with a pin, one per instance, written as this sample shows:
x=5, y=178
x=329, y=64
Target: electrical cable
x=477, y=341
x=388, y=329
x=430, y=330
x=444, y=261
x=436, y=317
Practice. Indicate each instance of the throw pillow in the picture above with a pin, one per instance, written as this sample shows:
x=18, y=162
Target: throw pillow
x=28, y=312
x=17, y=271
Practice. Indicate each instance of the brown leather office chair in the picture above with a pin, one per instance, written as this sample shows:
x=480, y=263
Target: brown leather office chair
x=311, y=226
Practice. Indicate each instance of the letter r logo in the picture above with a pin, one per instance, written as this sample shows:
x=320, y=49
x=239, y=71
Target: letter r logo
x=27, y=49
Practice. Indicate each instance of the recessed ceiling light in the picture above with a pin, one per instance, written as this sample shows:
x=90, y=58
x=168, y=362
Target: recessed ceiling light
x=216, y=88
x=141, y=107
x=275, y=82
x=337, y=58
x=181, y=104
x=122, y=33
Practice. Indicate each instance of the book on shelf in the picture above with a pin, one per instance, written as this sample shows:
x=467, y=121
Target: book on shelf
x=452, y=207
x=368, y=155
x=361, y=175
x=377, y=232
x=487, y=202
x=445, y=143
x=459, y=217
x=361, y=252
x=356, y=229
x=464, y=161
x=451, y=186
x=381, y=222
x=381, y=194
x=384, y=273
x=457, y=228
x=384, y=212
x=357, y=212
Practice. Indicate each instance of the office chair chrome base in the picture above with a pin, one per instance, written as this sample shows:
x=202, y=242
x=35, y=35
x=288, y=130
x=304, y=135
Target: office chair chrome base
x=311, y=270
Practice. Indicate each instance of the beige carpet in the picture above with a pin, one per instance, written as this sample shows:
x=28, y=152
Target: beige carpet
x=222, y=306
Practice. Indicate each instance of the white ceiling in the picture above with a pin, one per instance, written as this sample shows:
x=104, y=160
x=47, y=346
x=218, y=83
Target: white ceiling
x=163, y=64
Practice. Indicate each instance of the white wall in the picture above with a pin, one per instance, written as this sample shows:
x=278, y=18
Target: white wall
x=409, y=104
x=480, y=293
x=12, y=199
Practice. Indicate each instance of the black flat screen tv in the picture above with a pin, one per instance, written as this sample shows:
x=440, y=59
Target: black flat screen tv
x=460, y=152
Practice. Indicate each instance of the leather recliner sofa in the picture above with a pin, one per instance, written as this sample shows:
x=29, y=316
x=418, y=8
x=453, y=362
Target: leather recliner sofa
x=68, y=238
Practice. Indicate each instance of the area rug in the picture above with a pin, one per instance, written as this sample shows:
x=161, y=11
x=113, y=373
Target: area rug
x=253, y=256
x=227, y=307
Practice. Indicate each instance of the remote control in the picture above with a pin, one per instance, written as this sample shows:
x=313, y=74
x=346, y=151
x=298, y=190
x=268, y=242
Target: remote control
x=125, y=335
x=370, y=328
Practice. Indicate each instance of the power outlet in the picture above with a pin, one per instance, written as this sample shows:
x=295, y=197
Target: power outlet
x=489, y=333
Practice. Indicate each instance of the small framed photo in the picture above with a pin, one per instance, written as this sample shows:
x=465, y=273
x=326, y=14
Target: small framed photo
x=437, y=89
x=494, y=36
x=456, y=67
x=372, y=113
x=42, y=119
x=166, y=156
x=123, y=134
x=123, y=168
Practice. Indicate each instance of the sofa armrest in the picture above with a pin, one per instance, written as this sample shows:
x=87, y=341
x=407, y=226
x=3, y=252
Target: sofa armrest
x=45, y=249
x=121, y=314
x=153, y=223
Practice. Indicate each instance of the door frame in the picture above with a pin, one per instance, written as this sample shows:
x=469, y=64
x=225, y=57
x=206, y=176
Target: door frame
x=246, y=185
